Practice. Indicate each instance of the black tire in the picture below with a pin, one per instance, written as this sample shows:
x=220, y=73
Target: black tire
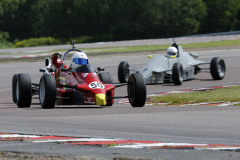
x=177, y=74
x=123, y=72
x=109, y=101
x=217, y=68
x=47, y=91
x=14, y=81
x=137, y=90
x=105, y=77
x=22, y=89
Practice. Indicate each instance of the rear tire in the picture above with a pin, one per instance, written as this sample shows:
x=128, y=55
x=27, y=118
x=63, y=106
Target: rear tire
x=22, y=90
x=123, y=72
x=217, y=68
x=105, y=77
x=137, y=91
x=177, y=74
x=47, y=91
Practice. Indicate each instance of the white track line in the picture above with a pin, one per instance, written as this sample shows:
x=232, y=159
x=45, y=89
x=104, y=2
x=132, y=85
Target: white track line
x=18, y=136
x=158, y=145
x=76, y=140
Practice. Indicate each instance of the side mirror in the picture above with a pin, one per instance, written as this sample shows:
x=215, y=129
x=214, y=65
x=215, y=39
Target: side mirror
x=56, y=60
x=47, y=63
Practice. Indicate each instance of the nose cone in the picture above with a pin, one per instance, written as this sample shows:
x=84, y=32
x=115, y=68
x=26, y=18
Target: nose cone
x=100, y=99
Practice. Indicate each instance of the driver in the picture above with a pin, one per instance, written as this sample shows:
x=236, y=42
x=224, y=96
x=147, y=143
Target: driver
x=172, y=52
x=79, y=59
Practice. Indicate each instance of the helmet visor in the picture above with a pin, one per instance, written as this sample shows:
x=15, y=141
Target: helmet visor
x=171, y=53
x=80, y=61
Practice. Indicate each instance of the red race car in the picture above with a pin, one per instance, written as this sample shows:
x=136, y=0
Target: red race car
x=74, y=85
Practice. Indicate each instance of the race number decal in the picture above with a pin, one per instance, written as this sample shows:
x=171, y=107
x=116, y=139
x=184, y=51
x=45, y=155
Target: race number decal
x=96, y=85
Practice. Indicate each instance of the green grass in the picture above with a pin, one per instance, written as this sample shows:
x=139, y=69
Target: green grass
x=229, y=94
x=4, y=46
x=161, y=47
x=150, y=47
x=156, y=47
x=212, y=44
x=122, y=49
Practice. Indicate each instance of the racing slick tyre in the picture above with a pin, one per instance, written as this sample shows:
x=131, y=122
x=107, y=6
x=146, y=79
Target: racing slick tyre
x=137, y=91
x=177, y=74
x=217, y=68
x=47, y=91
x=105, y=77
x=110, y=100
x=123, y=72
x=14, y=81
x=22, y=90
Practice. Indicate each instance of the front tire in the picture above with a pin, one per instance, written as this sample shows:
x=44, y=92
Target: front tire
x=105, y=77
x=123, y=72
x=177, y=74
x=14, y=81
x=137, y=91
x=217, y=68
x=110, y=101
x=22, y=90
x=47, y=91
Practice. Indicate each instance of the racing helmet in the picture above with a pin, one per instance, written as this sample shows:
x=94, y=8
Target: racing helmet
x=79, y=59
x=172, y=52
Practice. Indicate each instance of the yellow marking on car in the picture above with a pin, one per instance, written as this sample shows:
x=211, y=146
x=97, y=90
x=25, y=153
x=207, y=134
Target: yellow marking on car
x=100, y=99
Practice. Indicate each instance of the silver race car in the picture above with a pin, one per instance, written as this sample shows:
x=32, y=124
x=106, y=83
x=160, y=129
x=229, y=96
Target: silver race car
x=176, y=67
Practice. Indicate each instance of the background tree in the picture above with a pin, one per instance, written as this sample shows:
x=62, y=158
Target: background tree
x=104, y=20
x=11, y=18
x=176, y=17
x=222, y=16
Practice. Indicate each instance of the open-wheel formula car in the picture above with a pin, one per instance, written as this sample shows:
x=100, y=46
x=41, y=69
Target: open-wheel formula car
x=62, y=85
x=176, y=67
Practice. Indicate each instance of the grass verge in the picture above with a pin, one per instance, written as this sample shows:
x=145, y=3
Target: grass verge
x=159, y=47
x=144, y=48
x=229, y=94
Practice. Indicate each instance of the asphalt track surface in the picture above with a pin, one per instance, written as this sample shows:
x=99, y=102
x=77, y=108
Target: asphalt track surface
x=186, y=124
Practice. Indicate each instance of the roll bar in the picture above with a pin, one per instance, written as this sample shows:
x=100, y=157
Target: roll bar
x=65, y=53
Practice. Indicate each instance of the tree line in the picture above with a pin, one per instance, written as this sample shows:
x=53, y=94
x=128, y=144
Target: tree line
x=104, y=20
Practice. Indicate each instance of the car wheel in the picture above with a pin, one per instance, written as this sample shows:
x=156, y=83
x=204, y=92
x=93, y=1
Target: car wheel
x=105, y=77
x=22, y=90
x=14, y=81
x=136, y=90
x=217, y=68
x=177, y=74
x=123, y=72
x=110, y=99
x=47, y=91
